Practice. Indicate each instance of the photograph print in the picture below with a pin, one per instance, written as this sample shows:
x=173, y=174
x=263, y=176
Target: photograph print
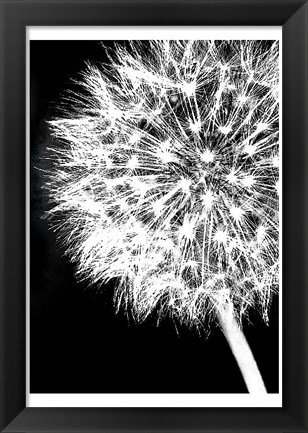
x=154, y=216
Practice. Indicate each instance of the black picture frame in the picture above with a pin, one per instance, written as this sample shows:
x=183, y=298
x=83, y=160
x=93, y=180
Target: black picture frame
x=15, y=16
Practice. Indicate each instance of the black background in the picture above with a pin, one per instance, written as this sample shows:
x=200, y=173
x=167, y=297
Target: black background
x=78, y=344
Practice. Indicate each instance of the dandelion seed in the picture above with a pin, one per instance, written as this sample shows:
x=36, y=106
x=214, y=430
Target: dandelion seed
x=166, y=156
x=250, y=149
x=108, y=162
x=174, y=99
x=261, y=232
x=221, y=237
x=275, y=161
x=237, y=213
x=158, y=208
x=242, y=99
x=185, y=185
x=224, y=67
x=171, y=302
x=133, y=162
x=248, y=181
x=232, y=177
x=261, y=127
x=207, y=156
x=195, y=126
x=141, y=188
x=187, y=229
x=208, y=200
x=157, y=111
x=225, y=129
x=221, y=276
x=135, y=137
x=192, y=264
x=189, y=88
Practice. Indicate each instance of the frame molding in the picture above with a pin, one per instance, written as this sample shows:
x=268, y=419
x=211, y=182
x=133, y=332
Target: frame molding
x=15, y=16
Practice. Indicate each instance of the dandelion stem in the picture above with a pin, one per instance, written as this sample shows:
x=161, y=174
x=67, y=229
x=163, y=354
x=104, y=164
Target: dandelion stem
x=241, y=351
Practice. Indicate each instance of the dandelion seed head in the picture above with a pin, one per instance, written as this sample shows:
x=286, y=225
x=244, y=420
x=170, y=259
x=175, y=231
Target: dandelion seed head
x=174, y=99
x=248, y=181
x=185, y=185
x=164, y=177
x=158, y=208
x=275, y=161
x=242, y=99
x=221, y=237
x=108, y=162
x=157, y=111
x=132, y=162
x=207, y=156
x=139, y=187
x=134, y=138
x=236, y=213
x=225, y=129
x=192, y=264
x=195, y=126
x=261, y=127
x=250, y=149
x=208, y=199
x=232, y=177
x=260, y=232
x=189, y=88
x=166, y=156
x=187, y=229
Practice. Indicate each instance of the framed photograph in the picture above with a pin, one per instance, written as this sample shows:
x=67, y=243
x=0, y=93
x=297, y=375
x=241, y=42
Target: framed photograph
x=154, y=216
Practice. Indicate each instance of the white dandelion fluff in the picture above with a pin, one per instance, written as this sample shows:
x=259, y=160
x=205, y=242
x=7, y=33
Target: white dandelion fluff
x=165, y=177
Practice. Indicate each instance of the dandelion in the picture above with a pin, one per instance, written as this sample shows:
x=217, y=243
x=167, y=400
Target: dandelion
x=163, y=179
